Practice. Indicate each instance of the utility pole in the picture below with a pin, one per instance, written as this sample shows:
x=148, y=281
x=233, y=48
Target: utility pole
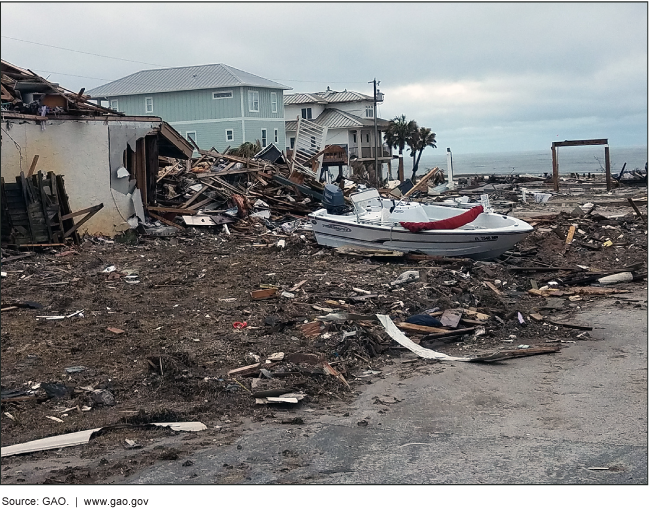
x=374, y=115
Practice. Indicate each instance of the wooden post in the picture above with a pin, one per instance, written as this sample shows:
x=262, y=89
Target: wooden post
x=608, y=172
x=141, y=168
x=556, y=177
x=151, y=149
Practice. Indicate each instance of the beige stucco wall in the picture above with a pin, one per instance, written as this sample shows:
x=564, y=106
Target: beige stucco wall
x=78, y=150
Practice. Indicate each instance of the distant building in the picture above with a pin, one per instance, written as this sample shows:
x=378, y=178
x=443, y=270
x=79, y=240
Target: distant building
x=215, y=105
x=349, y=118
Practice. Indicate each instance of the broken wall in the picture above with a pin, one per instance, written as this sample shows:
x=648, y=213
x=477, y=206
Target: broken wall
x=88, y=153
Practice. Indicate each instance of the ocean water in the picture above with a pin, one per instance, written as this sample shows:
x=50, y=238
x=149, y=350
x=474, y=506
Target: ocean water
x=589, y=159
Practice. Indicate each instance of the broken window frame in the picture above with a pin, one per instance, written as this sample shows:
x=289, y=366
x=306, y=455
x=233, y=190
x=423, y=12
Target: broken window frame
x=116, y=107
x=193, y=133
x=306, y=113
x=274, y=102
x=230, y=135
x=224, y=94
x=147, y=102
x=253, y=101
x=264, y=137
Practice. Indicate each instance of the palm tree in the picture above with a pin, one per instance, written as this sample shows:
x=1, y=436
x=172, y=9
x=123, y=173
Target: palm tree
x=397, y=134
x=419, y=140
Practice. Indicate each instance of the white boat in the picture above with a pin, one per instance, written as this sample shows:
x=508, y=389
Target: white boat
x=377, y=223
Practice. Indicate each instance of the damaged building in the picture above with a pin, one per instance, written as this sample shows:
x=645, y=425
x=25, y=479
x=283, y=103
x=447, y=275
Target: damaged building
x=103, y=157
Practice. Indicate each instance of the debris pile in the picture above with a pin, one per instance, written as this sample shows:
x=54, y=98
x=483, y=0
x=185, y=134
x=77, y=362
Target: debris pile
x=26, y=93
x=210, y=326
x=219, y=189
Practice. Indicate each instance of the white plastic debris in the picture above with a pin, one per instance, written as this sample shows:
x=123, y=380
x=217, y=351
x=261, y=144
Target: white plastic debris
x=621, y=277
x=407, y=277
x=122, y=172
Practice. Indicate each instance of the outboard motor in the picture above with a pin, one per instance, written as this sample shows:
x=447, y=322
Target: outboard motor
x=333, y=200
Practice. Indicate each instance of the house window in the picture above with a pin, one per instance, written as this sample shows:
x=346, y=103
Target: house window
x=367, y=138
x=114, y=104
x=263, y=138
x=354, y=137
x=191, y=135
x=226, y=94
x=306, y=113
x=292, y=142
x=369, y=112
x=274, y=102
x=230, y=135
x=253, y=100
x=275, y=136
x=148, y=104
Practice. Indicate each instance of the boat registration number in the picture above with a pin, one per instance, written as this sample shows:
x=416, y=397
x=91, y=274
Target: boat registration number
x=486, y=238
x=337, y=227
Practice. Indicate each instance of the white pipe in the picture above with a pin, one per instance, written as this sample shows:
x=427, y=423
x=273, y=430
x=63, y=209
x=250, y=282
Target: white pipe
x=450, y=170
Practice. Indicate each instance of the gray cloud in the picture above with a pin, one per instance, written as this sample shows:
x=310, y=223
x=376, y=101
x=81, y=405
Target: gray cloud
x=484, y=76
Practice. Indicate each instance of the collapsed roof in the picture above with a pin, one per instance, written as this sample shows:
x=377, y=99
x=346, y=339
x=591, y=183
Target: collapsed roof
x=25, y=92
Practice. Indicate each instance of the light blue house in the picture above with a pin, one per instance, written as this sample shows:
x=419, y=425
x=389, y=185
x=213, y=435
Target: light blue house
x=215, y=105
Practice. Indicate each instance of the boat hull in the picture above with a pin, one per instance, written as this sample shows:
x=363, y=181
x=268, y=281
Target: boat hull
x=480, y=244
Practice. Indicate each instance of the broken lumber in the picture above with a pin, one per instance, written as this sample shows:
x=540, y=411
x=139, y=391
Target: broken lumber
x=245, y=370
x=265, y=293
x=421, y=183
x=511, y=354
x=420, y=329
x=570, y=325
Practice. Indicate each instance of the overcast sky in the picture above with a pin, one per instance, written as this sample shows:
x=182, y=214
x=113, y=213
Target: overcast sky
x=484, y=77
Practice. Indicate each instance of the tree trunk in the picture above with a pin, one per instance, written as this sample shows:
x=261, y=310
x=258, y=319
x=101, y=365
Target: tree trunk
x=416, y=165
x=400, y=168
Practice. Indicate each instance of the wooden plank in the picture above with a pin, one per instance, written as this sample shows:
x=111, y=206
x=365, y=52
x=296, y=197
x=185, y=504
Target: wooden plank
x=579, y=143
x=193, y=198
x=570, y=234
x=82, y=211
x=245, y=370
x=570, y=325
x=193, y=208
x=265, y=293
x=421, y=183
x=165, y=221
x=636, y=209
x=493, y=288
x=511, y=354
x=91, y=212
x=33, y=166
x=188, y=212
x=420, y=329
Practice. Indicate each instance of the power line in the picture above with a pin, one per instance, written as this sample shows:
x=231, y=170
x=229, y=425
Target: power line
x=149, y=63
x=75, y=75
x=78, y=51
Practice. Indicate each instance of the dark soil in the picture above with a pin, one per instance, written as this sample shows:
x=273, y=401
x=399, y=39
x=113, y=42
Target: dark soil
x=171, y=362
